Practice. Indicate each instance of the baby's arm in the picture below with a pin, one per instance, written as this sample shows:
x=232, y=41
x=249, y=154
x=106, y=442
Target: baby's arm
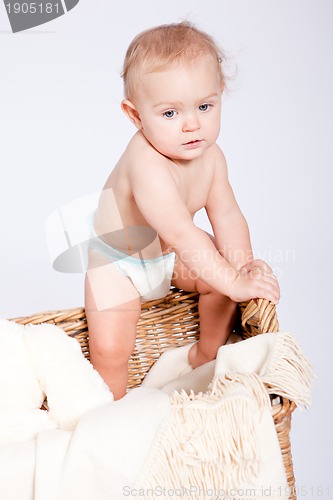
x=157, y=196
x=230, y=228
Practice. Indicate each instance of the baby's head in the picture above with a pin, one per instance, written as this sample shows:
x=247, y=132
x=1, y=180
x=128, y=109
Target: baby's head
x=158, y=48
x=173, y=84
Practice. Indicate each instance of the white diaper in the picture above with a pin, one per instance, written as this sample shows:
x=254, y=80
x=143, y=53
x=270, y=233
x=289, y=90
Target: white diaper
x=151, y=277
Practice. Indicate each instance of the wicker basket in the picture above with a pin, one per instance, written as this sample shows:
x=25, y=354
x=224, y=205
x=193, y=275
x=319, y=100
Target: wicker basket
x=172, y=322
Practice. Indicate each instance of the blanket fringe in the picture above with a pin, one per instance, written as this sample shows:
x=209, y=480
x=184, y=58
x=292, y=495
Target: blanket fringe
x=288, y=372
x=221, y=384
x=209, y=440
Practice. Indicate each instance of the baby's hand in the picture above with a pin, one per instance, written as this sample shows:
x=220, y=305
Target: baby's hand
x=255, y=281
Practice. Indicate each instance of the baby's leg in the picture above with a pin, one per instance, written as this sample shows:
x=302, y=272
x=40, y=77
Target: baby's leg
x=113, y=309
x=217, y=315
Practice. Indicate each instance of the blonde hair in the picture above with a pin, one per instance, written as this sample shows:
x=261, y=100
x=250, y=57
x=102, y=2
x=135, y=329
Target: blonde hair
x=156, y=48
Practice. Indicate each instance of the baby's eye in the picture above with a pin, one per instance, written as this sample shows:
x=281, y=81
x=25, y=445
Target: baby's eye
x=204, y=107
x=170, y=113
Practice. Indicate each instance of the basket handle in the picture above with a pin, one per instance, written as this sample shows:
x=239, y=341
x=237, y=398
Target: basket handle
x=259, y=316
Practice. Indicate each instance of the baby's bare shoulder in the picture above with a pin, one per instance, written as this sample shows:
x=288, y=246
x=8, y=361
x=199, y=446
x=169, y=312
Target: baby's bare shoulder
x=217, y=157
x=141, y=156
x=217, y=163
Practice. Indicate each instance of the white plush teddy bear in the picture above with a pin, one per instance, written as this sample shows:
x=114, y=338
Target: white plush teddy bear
x=38, y=361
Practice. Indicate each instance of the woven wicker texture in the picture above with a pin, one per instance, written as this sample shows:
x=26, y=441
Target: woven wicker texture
x=172, y=322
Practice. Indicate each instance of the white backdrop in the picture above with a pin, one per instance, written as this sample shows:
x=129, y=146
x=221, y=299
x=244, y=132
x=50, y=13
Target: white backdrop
x=62, y=130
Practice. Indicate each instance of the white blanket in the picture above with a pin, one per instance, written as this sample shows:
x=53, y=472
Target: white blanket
x=97, y=461
x=225, y=436
x=194, y=445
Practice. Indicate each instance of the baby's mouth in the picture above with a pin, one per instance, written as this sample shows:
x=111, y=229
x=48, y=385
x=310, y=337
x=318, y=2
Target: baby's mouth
x=192, y=142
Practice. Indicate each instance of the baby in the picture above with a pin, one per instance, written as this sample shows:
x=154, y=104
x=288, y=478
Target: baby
x=144, y=237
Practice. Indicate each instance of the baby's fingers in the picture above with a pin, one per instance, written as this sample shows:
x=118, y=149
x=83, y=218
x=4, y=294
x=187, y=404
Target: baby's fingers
x=268, y=276
x=257, y=265
x=262, y=265
x=268, y=288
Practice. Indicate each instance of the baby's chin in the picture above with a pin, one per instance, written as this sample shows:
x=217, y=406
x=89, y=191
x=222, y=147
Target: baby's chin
x=181, y=154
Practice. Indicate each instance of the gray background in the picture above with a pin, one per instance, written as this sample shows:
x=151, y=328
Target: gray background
x=62, y=131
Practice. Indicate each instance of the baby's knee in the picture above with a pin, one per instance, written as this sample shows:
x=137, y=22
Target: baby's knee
x=114, y=354
x=205, y=289
x=113, y=343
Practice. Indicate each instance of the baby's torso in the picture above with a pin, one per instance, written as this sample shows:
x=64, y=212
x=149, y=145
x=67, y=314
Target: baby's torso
x=118, y=219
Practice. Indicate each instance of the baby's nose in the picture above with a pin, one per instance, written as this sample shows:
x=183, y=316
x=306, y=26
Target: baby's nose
x=191, y=123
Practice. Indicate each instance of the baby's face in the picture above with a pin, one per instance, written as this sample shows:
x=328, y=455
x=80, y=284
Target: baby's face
x=180, y=108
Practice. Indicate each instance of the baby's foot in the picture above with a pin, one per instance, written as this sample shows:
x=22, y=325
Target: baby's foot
x=197, y=358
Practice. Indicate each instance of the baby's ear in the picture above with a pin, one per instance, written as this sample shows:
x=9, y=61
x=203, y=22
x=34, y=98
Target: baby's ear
x=130, y=110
